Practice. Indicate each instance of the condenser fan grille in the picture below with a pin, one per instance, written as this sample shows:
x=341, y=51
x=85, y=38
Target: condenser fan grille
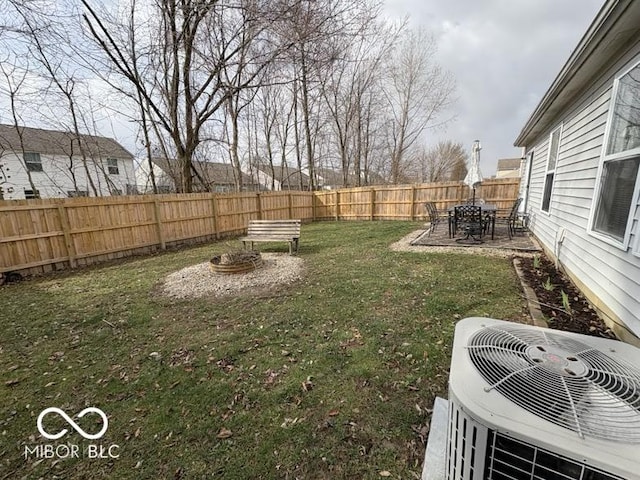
x=560, y=379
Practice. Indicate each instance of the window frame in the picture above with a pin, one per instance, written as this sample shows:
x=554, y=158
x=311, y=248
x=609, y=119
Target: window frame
x=550, y=172
x=77, y=193
x=606, y=158
x=32, y=195
x=29, y=164
x=112, y=166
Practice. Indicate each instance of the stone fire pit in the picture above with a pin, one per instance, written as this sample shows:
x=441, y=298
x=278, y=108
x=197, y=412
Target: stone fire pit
x=237, y=262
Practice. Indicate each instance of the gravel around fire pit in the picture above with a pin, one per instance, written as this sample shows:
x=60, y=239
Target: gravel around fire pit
x=199, y=280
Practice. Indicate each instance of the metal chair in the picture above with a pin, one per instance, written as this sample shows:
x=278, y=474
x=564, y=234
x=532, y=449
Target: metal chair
x=434, y=216
x=469, y=220
x=512, y=220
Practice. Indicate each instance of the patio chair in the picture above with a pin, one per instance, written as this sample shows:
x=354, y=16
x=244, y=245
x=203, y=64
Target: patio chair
x=469, y=220
x=434, y=216
x=511, y=221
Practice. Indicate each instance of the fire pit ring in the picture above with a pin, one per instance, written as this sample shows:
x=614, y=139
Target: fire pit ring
x=236, y=262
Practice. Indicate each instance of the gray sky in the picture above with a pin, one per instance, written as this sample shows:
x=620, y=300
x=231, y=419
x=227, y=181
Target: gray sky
x=504, y=55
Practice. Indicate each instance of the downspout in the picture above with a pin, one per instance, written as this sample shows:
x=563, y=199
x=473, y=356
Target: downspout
x=558, y=243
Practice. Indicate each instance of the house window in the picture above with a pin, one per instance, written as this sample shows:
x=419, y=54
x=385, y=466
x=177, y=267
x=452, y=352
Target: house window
x=30, y=194
x=77, y=193
x=112, y=166
x=552, y=159
x=618, y=175
x=32, y=161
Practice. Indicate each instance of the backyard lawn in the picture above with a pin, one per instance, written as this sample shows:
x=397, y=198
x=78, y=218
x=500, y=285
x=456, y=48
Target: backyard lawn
x=331, y=377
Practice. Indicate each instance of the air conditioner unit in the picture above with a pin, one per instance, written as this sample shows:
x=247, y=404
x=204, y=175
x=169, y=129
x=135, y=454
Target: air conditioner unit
x=533, y=403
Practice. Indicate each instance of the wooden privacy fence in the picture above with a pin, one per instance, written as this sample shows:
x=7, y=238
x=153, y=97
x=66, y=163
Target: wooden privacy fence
x=406, y=202
x=50, y=234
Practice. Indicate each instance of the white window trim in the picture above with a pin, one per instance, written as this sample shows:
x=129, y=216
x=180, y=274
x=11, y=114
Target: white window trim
x=636, y=243
x=547, y=171
x=604, y=158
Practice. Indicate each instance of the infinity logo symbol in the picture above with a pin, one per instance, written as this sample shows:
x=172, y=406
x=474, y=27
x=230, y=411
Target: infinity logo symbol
x=69, y=420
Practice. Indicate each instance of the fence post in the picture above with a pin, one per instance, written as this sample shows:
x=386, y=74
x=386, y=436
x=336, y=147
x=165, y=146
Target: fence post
x=214, y=225
x=413, y=202
x=372, y=203
x=259, y=205
x=337, y=205
x=214, y=210
x=68, y=240
x=156, y=210
x=290, y=205
x=313, y=206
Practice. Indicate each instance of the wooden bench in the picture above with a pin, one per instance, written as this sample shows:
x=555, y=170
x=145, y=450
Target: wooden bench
x=273, y=231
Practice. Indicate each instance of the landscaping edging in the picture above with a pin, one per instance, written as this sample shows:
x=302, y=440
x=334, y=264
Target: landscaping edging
x=532, y=299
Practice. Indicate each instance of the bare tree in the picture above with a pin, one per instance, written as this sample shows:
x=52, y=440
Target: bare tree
x=14, y=81
x=188, y=78
x=445, y=161
x=347, y=92
x=418, y=94
x=317, y=29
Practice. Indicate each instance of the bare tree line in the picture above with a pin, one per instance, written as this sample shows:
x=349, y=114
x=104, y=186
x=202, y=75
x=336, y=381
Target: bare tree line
x=278, y=85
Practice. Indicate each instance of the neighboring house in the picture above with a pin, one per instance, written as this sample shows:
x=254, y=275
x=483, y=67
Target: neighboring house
x=61, y=164
x=509, y=168
x=206, y=177
x=582, y=178
x=329, y=179
x=280, y=177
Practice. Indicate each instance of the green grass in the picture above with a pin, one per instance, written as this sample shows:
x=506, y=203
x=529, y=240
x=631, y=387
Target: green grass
x=332, y=377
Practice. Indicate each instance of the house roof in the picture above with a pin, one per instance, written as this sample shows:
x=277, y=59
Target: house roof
x=330, y=177
x=509, y=164
x=617, y=23
x=208, y=173
x=54, y=142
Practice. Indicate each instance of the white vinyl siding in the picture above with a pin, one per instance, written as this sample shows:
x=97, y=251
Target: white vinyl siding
x=56, y=181
x=611, y=274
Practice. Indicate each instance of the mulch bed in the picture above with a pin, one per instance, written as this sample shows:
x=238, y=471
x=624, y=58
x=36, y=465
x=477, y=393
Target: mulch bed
x=574, y=314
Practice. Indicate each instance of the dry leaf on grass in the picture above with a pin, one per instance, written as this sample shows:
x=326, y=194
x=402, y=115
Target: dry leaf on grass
x=307, y=385
x=224, y=433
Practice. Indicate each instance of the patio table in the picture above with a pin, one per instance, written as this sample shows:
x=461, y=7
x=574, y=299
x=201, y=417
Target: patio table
x=488, y=210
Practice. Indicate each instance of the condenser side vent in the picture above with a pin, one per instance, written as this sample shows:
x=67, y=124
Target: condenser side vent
x=467, y=446
x=510, y=459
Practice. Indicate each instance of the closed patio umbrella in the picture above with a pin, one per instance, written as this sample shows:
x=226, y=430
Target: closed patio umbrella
x=474, y=175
